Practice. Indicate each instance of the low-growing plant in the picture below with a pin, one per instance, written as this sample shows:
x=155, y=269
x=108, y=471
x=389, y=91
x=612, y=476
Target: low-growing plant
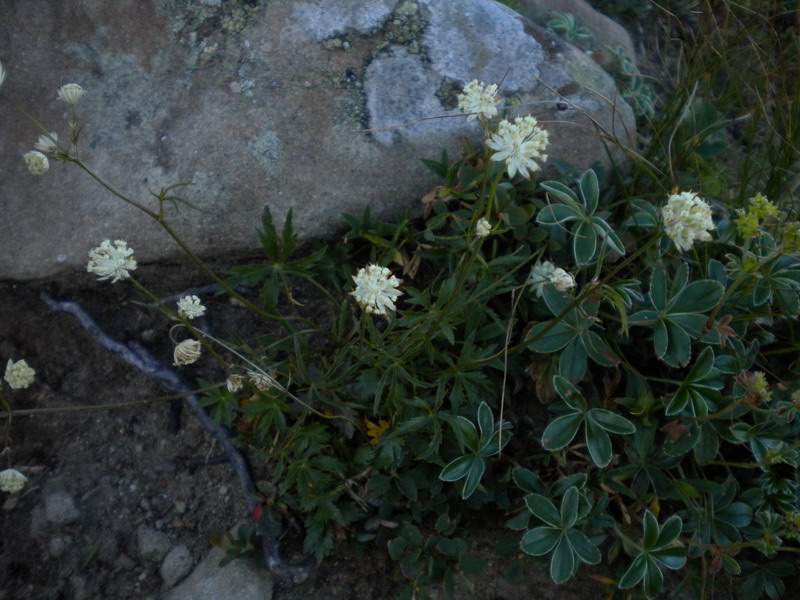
x=616, y=373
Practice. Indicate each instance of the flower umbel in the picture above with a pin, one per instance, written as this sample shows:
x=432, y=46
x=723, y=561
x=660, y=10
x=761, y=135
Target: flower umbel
x=518, y=143
x=36, y=162
x=18, y=374
x=234, y=383
x=111, y=261
x=191, y=307
x=687, y=218
x=478, y=100
x=12, y=480
x=70, y=93
x=482, y=228
x=546, y=272
x=376, y=289
x=187, y=352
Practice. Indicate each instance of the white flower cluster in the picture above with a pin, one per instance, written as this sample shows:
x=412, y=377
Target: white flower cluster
x=12, y=480
x=70, y=93
x=36, y=162
x=483, y=228
x=191, y=307
x=546, y=272
x=18, y=374
x=111, y=261
x=687, y=218
x=187, y=352
x=376, y=289
x=478, y=100
x=518, y=144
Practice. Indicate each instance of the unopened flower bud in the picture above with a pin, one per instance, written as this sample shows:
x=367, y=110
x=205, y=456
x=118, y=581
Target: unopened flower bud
x=187, y=352
x=234, y=383
x=70, y=93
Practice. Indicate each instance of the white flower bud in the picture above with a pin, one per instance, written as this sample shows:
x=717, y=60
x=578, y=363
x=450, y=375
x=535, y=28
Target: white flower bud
x=70, y=93
x=187, y=352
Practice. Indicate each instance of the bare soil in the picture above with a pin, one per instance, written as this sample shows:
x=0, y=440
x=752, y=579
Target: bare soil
x=127, y=468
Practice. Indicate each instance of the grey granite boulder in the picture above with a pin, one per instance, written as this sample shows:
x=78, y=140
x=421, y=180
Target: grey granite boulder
x=287, y=104
x=241, y=579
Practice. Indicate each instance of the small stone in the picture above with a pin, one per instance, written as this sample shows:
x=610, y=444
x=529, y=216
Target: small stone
x=60, y=508
x=153, y=545
x=125, y=561
x=176, y=565
x=58, y=545
x=180, y=507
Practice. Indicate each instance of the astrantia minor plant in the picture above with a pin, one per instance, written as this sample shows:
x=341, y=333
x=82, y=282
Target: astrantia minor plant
x=616, y=377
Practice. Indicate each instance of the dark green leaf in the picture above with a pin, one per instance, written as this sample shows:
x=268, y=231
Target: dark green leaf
x=569, y=508
x=561, y=431
x=540, y=541
x=562, y=565
x=599, y=444
x=542, y=508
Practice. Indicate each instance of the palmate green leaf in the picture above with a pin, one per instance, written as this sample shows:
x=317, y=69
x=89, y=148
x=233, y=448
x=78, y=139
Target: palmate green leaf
x=563, y=563
x=569, y=393
x=573, y=360
x=540, y=540
x=584, y=243
x=634, y=574
x=583, y=547
x=590, y=190
x=543, y=509
x=473, y=478
x=563, y=193
x=598, y=443
x=457, y=469
x=569, y=508
x=611, y=421
x=653, y=579
x=561, y=431
x=553, y=340
x=556, y=214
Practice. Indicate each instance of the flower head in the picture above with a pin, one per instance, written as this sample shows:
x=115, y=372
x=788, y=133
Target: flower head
x=12, y=480
x=37, y=162
x=478, y=100
x=262, y=381
x=187, y=352
x=483, y=228
x=47, y=145
x=111, y=261
x=546, y=272
x=376, y=289
x=234, y=383
x=18, y=374
x=687, y=218
x=70, y=93
x=191, y=307
x=518, y=143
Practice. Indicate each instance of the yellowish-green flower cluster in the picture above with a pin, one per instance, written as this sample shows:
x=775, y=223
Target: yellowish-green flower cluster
x=790, y=237
x=748, y=222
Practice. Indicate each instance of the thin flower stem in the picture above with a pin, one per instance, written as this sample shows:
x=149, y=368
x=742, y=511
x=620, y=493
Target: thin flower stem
x=71, y=409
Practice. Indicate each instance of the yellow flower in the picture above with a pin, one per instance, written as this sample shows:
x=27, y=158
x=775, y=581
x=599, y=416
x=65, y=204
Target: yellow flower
x=376, y=431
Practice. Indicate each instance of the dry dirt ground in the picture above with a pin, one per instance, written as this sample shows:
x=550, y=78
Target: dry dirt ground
x=125, y=468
